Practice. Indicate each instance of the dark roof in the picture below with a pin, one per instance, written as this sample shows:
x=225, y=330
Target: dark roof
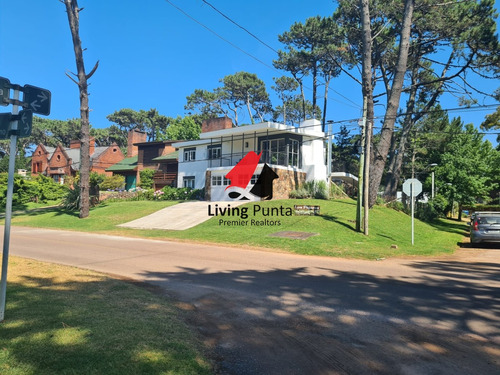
x=127, y=164
x=153, y=143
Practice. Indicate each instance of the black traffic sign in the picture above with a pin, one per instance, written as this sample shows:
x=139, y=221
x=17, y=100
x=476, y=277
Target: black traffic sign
x=37, y=99
x=4, y=91
x=4, y=125
x=24, y=121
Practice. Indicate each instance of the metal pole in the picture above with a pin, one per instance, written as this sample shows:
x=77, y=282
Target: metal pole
x=8, y=208
x=329, y=158
x=432, y=193
x=412, y=215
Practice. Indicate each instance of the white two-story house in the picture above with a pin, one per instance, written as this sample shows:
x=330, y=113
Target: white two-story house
x=296, y=154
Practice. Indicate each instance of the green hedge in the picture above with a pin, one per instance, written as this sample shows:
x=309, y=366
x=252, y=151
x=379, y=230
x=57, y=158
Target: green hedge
x=39, y=189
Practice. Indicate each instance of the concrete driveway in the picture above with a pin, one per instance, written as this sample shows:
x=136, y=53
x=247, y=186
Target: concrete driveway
x=181, y=216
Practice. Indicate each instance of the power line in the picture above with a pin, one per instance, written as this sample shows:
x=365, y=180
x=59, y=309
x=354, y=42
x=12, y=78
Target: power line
x=219, y=36
x=357, y=106
x=241, y=27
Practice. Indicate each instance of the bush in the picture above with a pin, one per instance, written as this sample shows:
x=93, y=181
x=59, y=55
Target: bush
x=440, y=205
x=146, y=176
x=174, y=194
x=321, y=191
x=72, y=199
x=40, y=189
x=311, y=189
x=48, y=189
x=115, y=182
x=337, y=191
x=398, y=206
x=96, y=179
x=300, y=193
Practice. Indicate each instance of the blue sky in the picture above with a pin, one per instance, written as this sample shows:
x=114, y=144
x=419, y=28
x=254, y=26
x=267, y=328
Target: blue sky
x=153, y=56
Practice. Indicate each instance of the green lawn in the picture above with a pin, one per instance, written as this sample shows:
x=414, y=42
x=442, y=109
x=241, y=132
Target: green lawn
x=335, y=229
x=65, y=320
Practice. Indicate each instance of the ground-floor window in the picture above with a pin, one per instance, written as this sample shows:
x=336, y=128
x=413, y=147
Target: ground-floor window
x=219, y=180
x=188, y=182
x=58, y=178
x=216, y=180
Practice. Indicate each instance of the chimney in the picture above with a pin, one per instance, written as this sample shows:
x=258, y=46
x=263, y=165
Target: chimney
x=213, y=124
x=74, y=144
x=135, y=136
x=92, y=146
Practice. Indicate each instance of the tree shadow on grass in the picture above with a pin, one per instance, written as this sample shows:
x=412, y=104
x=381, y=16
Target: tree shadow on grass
x=93, y=327
x=335, y=219
x=450, y=226
x=445, y=320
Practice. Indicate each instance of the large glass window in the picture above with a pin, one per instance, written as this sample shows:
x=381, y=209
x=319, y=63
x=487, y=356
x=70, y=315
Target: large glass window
x=281, y=152
x=274, y=151
x=293, y=153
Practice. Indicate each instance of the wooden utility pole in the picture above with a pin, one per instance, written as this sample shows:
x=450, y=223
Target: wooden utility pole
x=367, y=89
x=73, y=12
x=361, y=173
x=366, y=174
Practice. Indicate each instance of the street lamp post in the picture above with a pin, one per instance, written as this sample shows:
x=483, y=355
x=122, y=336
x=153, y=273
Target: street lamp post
x=432, y=179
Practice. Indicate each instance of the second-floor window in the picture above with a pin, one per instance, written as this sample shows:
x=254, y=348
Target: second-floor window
x=190, y=154
x=214, y=152
x=293, y=153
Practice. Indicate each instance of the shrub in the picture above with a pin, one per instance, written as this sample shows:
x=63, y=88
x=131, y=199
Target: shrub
x=440, y=204
x=72, y=199
x=96, y=179
x=311, y=189
x=300, y=193
x=337, y=191
x=40, y=189
x=398, y=206
x=147, y=178
x=321, y=191
x=48, y=189
x=183, y=194
x=115, y=182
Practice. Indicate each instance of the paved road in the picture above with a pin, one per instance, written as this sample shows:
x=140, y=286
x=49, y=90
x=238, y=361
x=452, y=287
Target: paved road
x=272, y=313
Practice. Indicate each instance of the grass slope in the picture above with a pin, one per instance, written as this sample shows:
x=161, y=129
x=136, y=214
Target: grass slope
x=336, y=232
x=64, y=320
x=335, y=229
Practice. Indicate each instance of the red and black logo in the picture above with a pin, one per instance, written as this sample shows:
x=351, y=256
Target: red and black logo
x=242, y=174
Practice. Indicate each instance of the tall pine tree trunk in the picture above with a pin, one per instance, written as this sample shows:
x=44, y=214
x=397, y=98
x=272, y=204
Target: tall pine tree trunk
x=384, y=144
x=74, y=23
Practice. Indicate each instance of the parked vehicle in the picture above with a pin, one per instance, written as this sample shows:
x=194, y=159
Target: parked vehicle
x=485, y=227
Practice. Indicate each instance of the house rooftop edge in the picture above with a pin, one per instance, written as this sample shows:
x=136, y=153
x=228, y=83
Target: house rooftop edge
x=305, y=128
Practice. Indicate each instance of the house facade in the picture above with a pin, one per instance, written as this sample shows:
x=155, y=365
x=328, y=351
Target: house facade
x=160, y=156
x=295, y=154
x=60, y=162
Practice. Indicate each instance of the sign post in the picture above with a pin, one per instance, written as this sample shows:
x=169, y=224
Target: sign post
x=14, y=125
x=8, y=209
x=412, y=188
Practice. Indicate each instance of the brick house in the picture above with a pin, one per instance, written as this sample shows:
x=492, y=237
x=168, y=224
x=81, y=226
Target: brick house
x=60, y=161
x=159, y=156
